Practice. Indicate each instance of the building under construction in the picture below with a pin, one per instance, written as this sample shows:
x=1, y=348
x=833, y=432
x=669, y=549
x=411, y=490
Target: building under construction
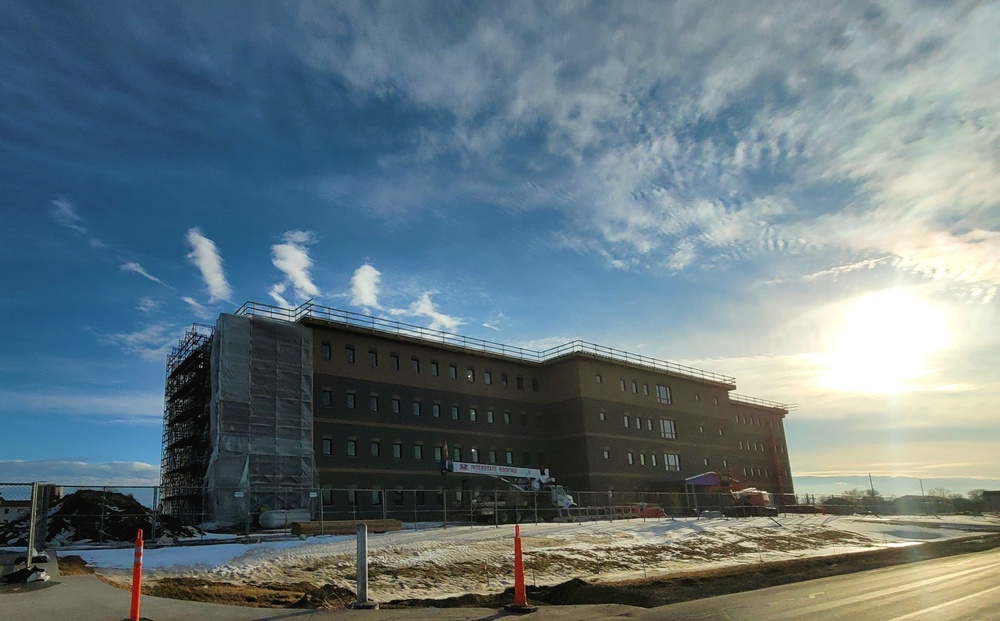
x=273, y=407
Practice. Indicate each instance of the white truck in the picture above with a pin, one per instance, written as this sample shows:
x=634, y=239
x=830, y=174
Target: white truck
x=532, y=493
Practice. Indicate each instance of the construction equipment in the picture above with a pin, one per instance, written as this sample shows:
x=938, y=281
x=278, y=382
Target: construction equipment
x=532, y=493
x=735, y=498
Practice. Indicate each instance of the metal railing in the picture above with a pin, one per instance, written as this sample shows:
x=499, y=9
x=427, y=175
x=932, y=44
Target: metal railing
x=788, y=407
x=440, y=337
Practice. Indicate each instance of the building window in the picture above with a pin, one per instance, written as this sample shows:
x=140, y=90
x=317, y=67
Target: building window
x=418, y=451
x=716, y=400
x=506, y=418
x=375, y=449
x=475, y=455
x=649, y=424
x=350, y=354
x=452, y=371
x=630, y=458
x=397, y=498
x=503, y=380
x=472, y=415
x=652, y=459
x=706, y=461
x=435, y=370
x=352, y=448
x=327, y=448
x=397, y=450
x=744, y=471
x=470, y=374
x=395, y=406
x=607, y=454
x=668, y=429
x=436, y=410
x=638, y=423
x=635, y=388
x=602, y=416
x=438, y=453
x=672, y=462
x=373, y=357
x=415, y=364
x=421, y=497
x=625, y=420
x=327, y=350
x=373, y=403
x=489, y=416
x=376, y=498
x=416, y=408
x=493, y=456
x=701, y=429
x=456, y=453
x=741, y=445
x=642, y=459
x=524, y=419
x=509, y=458
x=697, y=397
x=454, y=412
x=725, y=463
x=394, y=362
x=721, y=432
x=598, y=378
x=487, y=377
x=327, y=396
x=520, y=382
x=350, y=401
x=663, y=394
x=621, y=384
x=645, y=389
x=534, y=384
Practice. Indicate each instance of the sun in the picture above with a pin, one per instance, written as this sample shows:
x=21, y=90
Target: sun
x=884, y=342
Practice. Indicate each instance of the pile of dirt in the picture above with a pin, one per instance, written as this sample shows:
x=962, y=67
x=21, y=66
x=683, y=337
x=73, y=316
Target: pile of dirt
x=95, y=515
x=327, y=597
x=259, y=596
x=73, y=565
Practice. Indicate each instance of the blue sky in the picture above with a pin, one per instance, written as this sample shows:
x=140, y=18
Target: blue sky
x=802, y=196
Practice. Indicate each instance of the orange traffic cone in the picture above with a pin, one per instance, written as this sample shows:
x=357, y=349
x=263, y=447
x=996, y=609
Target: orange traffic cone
x=520, y=604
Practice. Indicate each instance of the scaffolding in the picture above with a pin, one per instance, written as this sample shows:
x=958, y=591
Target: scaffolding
x=186, y=448
x=261, y=419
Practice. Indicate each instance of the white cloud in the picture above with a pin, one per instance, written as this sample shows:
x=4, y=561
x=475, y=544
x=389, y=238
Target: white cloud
x=147, y=304
x=65, y=214
x=292, y=258
x=118, y=406
x=197, y=308
x=75, y=473
x=277, y=293
x=364, y=286
x=206, y=257
x=135, y=268
x=152, y=343
x=424, y=307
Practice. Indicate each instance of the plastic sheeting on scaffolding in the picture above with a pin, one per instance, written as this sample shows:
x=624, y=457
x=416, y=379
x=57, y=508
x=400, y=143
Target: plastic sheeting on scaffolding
x=261, y=418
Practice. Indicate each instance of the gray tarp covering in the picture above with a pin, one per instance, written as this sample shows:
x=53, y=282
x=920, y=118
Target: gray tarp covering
x=261, y=418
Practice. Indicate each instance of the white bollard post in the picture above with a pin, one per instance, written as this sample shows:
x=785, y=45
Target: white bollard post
x=363, y=602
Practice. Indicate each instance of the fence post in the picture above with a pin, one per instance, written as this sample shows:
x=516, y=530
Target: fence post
x=156, y=508
x=321, y=517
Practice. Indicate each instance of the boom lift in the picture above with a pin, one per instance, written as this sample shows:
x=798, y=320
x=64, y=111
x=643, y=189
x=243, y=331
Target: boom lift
x=531, y=489
x=743, y=501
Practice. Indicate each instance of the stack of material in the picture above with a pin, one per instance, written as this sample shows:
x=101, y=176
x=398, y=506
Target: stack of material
x=344, y=527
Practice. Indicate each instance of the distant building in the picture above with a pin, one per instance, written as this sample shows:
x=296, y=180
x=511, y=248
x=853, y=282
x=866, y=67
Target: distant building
x=292, y=400
x=12, y=510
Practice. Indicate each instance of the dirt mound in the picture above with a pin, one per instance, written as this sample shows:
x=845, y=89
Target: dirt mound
x=197, y=590
x=93, y=515
x=73, y=565
x=328, y=597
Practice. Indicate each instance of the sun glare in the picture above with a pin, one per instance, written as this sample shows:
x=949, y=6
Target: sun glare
x=884, y=343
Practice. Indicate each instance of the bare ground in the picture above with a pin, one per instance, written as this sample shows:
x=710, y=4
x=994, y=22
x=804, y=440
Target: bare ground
x=676, y=587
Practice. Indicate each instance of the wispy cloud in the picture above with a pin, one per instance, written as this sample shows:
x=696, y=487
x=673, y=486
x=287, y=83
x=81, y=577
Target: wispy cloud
x=292, y=258
x=205, y=256
x=152, y=343
x=364, y=286
x=147, y=304
x=135, y=268
x=117, y=406
x=81, y=473
x=424, y=307
x=198, y=309
x=64, y=212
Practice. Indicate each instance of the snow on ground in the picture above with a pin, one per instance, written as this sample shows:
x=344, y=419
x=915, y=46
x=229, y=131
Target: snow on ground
x=427, y=562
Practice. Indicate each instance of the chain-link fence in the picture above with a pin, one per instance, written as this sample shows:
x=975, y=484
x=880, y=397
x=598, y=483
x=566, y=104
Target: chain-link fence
x=105, y=515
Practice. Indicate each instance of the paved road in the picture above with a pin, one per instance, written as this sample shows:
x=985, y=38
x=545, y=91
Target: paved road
x=947, y=589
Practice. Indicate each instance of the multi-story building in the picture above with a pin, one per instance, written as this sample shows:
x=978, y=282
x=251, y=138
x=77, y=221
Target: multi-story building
x=316, y=397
